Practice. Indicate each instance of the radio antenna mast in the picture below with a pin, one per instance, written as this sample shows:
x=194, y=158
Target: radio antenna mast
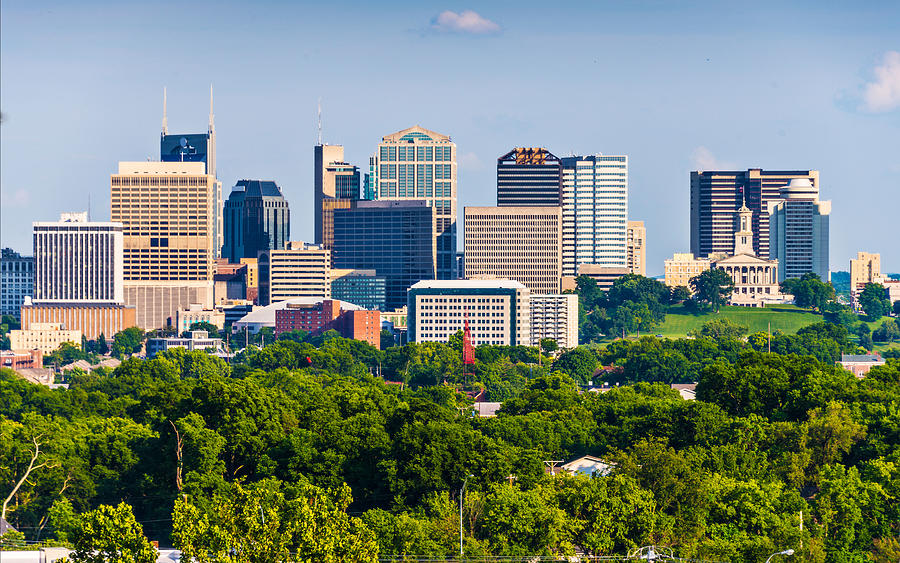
x=320, y=121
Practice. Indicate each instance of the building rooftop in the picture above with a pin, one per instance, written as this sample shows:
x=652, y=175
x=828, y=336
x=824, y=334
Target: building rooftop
x=266, y=315
x=861, y=358
x=467, y=284
x=258, y=188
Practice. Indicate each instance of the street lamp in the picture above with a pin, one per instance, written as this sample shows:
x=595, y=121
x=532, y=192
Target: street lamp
x=461, y=490
x=785, y=552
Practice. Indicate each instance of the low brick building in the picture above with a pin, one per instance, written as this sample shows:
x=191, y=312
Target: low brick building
x=21, y=359
x=327, y=314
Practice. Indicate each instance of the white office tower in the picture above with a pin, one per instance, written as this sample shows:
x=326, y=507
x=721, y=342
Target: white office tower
x=595, y=211
x=798, y=231
x=77, y=261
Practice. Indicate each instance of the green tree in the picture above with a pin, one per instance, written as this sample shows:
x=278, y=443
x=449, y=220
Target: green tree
x=888, y=331
x=102, y=345
x=110, y=534
x=679, y=294
x=580, y=363
x=809, y=291
x=386, y=339
x=720, y=329
x=127, y=342
x=549, y=345
x=262, y=523
x=524, y=523
x=713, y=286
x=873, y=302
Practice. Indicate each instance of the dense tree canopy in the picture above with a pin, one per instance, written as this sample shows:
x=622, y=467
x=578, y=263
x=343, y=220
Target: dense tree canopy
x=299, y=452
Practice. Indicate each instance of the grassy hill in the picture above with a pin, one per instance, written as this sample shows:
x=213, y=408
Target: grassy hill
x=785, y=318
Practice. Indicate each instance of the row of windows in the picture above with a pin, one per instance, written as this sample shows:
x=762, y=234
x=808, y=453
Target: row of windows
x=159, y=181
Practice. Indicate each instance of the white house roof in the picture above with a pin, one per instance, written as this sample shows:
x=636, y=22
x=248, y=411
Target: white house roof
x=265, y=316
x=468, y=284
x=587, y=465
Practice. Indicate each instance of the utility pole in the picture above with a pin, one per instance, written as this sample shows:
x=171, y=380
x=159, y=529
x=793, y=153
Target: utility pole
x=461, y=492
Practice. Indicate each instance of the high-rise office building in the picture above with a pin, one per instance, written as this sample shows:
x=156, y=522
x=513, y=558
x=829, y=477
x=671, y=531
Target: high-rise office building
x=516, y=243
x=498, y=311
x=595, y=212
x=394, y=238
x=529, y=177
x=420, y=164
x=297, y=270
x=77, y=261
x=865, y=269
x=16, y=281
x=78, y=277
x=195, y=147
x=168, y=212
x=798, y=230
x=336, y=183
x=717, y=195
x=636, y=240
x=257, y=218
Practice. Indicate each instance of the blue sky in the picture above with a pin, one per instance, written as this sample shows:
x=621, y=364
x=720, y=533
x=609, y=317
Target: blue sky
x=674, y=85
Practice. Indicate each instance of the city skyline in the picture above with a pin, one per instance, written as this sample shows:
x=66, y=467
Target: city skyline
x=668, y=87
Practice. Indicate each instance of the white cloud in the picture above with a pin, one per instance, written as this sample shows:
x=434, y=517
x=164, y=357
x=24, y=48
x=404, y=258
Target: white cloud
x=466, y=21
x=18, y=198
x=884, y=93
x=703, y=159
x=470, y=161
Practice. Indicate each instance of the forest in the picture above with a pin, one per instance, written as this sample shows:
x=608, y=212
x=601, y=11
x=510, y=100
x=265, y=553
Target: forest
x=300, y=452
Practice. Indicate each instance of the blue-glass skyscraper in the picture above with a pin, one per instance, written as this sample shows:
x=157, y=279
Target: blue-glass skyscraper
x=257, y=219
x=394, y=238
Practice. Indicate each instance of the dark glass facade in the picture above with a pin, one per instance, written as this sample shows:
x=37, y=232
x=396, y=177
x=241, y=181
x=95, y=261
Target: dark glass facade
x=529, y=177
x=717, y=195
x=394, y=238
x=257, y=219
x=366, y=291
x=191, y=147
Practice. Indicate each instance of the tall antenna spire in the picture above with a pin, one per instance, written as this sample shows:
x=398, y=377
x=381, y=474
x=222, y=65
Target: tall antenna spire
x=165, y=123
x=89, y=206
x=210, y=108
x=319, y=140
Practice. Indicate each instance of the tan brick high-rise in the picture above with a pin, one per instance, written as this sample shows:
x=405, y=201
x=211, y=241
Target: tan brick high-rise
x=169, y=212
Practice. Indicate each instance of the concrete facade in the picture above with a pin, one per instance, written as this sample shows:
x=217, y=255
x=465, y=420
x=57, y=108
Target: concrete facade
x=799, y=231
x=516, y=243
x=299, y=270
x=555, y=317
x=498, y=311
x=682, y=267
x=91, y=319
x=171, y=217
x=45, y=337
x=636, y=247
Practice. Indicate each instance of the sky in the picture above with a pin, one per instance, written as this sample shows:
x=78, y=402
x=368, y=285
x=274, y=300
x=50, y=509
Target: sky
x=676, y=86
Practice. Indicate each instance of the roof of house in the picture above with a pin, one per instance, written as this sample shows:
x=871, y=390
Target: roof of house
x=857, y=358
x=587, y=465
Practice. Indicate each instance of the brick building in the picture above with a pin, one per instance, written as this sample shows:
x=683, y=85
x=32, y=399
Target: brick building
x=327, y=314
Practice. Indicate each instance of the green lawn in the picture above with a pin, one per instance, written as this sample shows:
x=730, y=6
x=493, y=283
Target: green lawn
x=785, y=318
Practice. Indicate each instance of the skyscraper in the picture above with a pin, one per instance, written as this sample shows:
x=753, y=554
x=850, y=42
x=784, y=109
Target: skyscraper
x=516, y=243
x=717, y=195
x=78, y=279
x=595, y=211
x=195, y=147
x=416, y=163
x=16, y=281
x=77, y=260
x=168, y=211
x=394, y=238
x=336, y=184
x=798, y=230
x=529, y=177
x=257, y=218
